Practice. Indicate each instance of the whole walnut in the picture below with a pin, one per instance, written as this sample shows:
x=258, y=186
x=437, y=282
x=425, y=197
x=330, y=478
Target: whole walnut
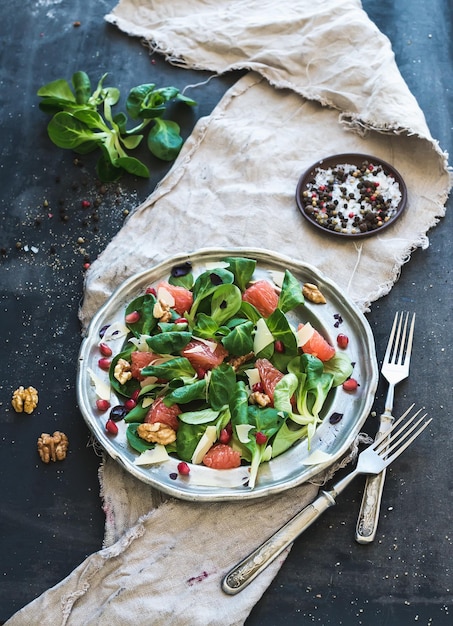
x=53, y=447
x=25, y=400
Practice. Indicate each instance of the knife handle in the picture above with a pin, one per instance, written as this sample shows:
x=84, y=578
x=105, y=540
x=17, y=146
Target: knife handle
x=367, y=521
x=249, y=568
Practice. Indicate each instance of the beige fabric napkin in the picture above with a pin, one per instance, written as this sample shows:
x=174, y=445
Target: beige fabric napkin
x=323, y=81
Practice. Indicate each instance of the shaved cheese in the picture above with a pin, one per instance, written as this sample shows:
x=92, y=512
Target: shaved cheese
x=101, y=387
x=117, y=330
x=242, y=431
x=205, y=443
x=277, y=277
x=211, y=344
x=163, y=295
x=158, y=454
x=253, y=375
x=317, y=457
x=199, y=349
x=304, y=334
x=140, y=343
x=267, y=454
x=147, y=401
x=194, y=350
x=208, y=477
x=212, y=265
x=263, y=336
x=149, y=380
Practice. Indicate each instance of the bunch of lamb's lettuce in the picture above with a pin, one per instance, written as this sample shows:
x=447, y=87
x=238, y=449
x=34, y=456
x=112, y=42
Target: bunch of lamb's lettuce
x=78, y=125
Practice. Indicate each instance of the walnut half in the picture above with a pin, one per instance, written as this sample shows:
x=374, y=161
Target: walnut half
x=259, y=398
x=122, y=371
x=53, y=447
x=156, y=433
x=313, y=293
x=25, y=400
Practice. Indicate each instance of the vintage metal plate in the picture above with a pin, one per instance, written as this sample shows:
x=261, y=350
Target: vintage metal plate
x=281, y=473
x=329, y=227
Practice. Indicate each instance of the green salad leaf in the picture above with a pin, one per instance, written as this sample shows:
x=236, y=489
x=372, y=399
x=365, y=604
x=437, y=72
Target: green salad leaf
x=78, y=125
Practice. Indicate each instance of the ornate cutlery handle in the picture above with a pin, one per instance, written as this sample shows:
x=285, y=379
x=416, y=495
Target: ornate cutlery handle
x=371, y=501
x=249, y=568
x=369, y=511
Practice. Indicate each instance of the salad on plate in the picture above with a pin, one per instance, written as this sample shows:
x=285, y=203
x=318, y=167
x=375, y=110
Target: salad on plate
x=214, y=370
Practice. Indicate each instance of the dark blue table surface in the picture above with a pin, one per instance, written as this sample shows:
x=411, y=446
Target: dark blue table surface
x=50, y=516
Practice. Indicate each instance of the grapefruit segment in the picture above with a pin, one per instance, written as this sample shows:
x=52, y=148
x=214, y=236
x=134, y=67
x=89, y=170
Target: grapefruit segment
x=182, y=297
x=317, y=346
x=222, y=456
x=269, y=376
x=163, y=414
x=262, y=296
x=204, y=355
x=139, y=360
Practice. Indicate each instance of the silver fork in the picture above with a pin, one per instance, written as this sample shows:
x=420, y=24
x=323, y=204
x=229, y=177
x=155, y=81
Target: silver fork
x=372, y=460
x=395, y=368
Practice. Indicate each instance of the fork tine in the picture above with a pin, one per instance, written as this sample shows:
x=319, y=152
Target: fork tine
x=390, y=341
x=385, y=437
x=400, y=341
x=396, y=454
x=410, y=339
x=400, y=435
x=402, y=346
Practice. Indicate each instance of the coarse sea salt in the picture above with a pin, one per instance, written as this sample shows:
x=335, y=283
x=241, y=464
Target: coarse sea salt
x=350, y=199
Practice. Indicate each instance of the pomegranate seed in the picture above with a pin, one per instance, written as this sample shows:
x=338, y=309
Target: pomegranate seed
x=258, y=387
x=224, y=436
x=102, y=405
x=279, y=346
x=130, y=404
x=181, y=320
x=342, y=341
x=133, y=317
x=151, y=290
x=105, y=350
x=86, y=204
x=104, y=364
x=135, y=394
x=86, y=266
x=111, y=427
x=260, y=438
x=183, y=468
x=350, y=385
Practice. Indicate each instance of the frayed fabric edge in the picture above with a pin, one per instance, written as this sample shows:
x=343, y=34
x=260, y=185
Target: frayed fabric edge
x=353, y=121
x=95, y=565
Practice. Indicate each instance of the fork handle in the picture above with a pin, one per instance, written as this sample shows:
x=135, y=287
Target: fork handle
x=368, y=518
x=248, y=569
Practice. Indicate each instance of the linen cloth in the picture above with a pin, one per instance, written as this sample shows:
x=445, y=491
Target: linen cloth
x=322, y=81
